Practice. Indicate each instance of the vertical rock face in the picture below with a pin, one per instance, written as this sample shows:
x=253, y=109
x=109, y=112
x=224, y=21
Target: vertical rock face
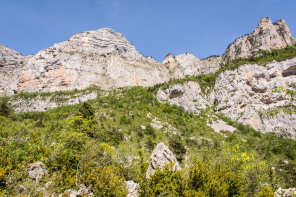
x=9, y=59
x=10, y=63
x=187, y=95
x=186, y=64
x=103, y=58
x=245, y=95
x=160, y=156
x=266, y=36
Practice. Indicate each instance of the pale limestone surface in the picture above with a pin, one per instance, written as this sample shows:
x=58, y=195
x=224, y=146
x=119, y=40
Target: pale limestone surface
x=187, y=95
x=186, y=64
x=36, y=171
x=103, y=58
x=245, y=95
x=46, y=103
x=132, y=188
x=266, y=36
x=161, y=156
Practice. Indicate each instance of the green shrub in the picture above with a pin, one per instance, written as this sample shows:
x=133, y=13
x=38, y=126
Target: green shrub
x=266, y=192
x=86, y=110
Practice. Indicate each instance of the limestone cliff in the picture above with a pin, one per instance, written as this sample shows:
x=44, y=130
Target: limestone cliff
x=103, y=58
x=10, y=63
x=244, y=95
x=266, y=36
x=186, y=64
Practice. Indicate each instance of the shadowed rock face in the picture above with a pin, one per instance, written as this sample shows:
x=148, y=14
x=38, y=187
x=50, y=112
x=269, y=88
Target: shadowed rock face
x=266, y=36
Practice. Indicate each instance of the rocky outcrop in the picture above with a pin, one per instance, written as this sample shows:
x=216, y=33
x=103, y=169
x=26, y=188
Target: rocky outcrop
x=132, y=188
x=186, y=64
x=9, y=59
x=103, y=58
x=43, y=103
x=36, y=171
x=161, y=156
x=187, y=95
x=266, y=36
x=245, y=95
x=285, y=192
x=83, y=191
x=10, y=63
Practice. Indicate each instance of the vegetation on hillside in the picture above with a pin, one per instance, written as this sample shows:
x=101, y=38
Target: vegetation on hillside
x=105, y=141
x=207, y=82
x=102, y=142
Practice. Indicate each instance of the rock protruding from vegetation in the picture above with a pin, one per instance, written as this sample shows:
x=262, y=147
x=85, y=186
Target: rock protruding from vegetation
x=83, y=191
x=36, y=171
x=285, y=192
x=266, y=36
x=161, y=156
x=187, y=95
x=132, y=188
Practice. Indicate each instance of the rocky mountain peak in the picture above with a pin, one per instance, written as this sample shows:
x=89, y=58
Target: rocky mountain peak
x=103, y=58
x=265, y=37
x=102, y=42
x=264, y=22
x=9, y=57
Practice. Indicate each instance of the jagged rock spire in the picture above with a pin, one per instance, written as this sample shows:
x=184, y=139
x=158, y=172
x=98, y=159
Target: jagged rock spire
x=266, y=36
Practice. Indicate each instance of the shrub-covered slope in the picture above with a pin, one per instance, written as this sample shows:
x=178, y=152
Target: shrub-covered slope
x=107, y=140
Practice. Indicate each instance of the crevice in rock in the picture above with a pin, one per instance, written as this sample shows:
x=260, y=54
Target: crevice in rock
x=290, y=71
x=257, y=90
x=175, y=93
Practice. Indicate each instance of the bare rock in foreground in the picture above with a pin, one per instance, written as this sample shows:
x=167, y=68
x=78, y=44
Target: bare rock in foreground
x=160, y=156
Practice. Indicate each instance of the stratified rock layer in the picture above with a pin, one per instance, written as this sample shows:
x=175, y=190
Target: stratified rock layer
x=266, y=36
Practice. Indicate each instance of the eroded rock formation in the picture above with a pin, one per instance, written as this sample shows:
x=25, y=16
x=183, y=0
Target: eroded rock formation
x=266, y=36
x=186, y=64
x=103, y=58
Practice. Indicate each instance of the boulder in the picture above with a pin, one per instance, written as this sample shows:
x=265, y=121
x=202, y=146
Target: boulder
x=132, y=188
x=161, y=156
x=36, y=170
x=83, y=191
x=285, y=192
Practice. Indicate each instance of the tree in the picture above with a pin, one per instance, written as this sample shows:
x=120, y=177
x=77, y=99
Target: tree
x=86, y=110
x=5, y=109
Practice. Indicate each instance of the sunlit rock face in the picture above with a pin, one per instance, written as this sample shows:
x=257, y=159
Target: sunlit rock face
x=266, y=36
x=103, y=58
x=160, y=157
x=187, y=64
x=10, y=62
x=246, y=95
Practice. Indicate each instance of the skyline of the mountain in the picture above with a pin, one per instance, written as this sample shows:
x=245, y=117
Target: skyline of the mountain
x=155, y=28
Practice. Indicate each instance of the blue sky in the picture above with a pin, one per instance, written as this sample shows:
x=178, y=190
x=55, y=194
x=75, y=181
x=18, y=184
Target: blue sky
x=155, y=27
